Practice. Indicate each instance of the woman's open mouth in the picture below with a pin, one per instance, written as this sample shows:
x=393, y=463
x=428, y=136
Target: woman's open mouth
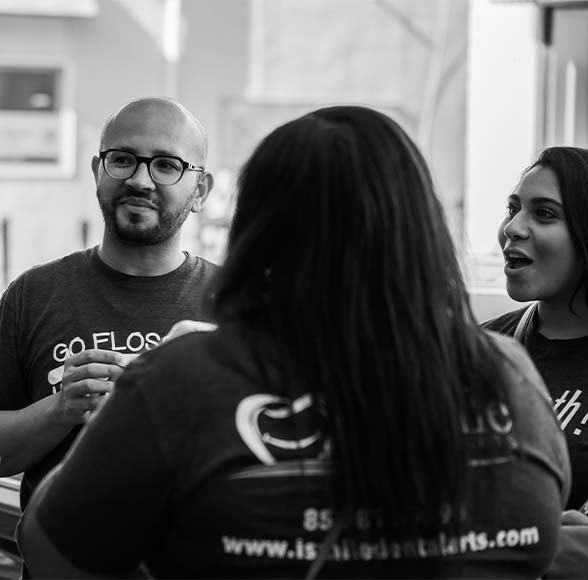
x=515, y=260
x=517, y=263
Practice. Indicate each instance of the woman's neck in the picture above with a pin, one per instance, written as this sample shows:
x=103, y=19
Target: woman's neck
x=557, y=321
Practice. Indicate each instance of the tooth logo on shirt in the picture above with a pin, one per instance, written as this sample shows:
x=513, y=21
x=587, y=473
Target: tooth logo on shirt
x=266, y=424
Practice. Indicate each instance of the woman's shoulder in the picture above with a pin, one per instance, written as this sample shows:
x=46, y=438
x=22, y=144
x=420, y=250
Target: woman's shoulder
x=183, y=350
x=518, y=369
x=539, y=435
x=201, y=355
x=505, y=323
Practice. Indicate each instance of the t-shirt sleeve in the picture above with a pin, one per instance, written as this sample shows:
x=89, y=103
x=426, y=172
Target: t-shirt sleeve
x=505, y=323
x=99, y=512
x=13, y=394
x=539, y=433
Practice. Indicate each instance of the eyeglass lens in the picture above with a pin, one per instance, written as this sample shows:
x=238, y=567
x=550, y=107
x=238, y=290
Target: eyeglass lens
x=163, y=170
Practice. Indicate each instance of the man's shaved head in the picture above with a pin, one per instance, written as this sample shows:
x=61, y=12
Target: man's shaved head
x=138, y=210
x=165, y=107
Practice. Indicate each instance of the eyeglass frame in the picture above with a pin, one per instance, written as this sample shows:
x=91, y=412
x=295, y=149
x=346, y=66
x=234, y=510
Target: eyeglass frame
x=148, y=160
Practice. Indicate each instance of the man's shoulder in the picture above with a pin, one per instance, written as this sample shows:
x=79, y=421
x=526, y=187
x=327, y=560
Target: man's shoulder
x=46, y=272
x=505, y=323
x=203, y=264
x=195, y=271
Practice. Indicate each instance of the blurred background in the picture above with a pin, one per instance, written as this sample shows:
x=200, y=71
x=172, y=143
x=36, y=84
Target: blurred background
x=481, y=85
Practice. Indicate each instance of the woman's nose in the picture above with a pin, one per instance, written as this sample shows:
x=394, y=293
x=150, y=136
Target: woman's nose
x=516, y=227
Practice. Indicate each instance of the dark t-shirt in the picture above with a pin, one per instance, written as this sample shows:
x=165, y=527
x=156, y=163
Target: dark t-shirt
x=563, y=364
x=202, y=465
x=75, y=303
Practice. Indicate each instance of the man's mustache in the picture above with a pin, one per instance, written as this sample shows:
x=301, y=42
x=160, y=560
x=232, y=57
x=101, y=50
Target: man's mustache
x=130, y=193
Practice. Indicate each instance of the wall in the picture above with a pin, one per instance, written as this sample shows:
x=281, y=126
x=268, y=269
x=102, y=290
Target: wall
x=404, y=57
x=502, y=115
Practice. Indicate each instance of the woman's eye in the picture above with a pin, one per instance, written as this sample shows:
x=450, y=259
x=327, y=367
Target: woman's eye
x=511, y=209
x=545, y=213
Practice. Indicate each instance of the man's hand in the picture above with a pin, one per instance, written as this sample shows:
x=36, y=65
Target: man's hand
x=186, y=326
x=86, y=377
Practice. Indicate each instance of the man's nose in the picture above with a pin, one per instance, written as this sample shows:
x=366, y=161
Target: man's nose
x=141, y=179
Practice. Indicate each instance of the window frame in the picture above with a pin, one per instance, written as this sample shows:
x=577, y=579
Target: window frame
x=65, y=120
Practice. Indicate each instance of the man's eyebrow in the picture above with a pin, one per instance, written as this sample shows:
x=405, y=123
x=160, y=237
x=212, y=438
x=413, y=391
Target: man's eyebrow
x=162, y=152
x=165, y=153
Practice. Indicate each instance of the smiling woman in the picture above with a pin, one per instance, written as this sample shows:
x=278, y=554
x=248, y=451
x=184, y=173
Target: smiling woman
x=544, y=238
x=542, y=262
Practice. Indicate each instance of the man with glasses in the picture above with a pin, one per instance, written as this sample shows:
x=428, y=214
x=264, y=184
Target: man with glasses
x=68, y=328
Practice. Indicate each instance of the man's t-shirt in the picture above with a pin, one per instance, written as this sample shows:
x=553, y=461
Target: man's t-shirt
x=563, y=364
x=61, y=308
x=206, y=466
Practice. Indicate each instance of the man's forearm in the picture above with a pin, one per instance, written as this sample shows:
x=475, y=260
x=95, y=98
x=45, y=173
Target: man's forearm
x=27, y=435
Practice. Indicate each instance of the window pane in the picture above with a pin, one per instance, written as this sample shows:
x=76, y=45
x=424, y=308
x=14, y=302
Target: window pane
x=28, y=89
x=566, y=96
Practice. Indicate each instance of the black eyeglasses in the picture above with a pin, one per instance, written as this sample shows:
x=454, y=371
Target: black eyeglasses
x=163, y=169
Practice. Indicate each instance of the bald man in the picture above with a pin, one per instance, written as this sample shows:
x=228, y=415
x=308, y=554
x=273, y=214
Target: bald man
x=69, y=327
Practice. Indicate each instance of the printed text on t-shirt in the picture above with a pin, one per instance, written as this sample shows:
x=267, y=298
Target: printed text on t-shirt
x=566, y=407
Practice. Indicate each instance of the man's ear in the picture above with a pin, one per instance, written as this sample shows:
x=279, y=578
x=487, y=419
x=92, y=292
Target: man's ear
x=204, y=187
x=95, y=167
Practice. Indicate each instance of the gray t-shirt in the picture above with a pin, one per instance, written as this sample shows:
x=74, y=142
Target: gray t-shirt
x=58, y=309
x=563, y=364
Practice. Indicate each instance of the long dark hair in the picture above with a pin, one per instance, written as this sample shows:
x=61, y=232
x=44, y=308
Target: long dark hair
x=570, y=165
x=339, y=247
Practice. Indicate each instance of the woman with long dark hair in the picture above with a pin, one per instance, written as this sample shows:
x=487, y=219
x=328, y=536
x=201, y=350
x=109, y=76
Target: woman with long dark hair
x=544, y=238
x=347, y=418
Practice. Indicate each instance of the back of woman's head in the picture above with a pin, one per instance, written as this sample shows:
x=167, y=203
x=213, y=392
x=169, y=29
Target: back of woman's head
x=339, y=246
x=570, y=165
x=333, y=202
